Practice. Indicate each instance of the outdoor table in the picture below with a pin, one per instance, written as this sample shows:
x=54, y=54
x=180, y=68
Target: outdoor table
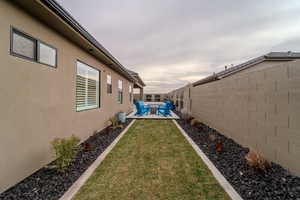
x=153, y=108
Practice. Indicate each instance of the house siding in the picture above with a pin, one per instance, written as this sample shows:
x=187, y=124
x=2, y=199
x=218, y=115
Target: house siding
x=38, y=103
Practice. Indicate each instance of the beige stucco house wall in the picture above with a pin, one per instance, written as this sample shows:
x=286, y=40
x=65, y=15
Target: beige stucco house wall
x=258, y=109
x=38, y=102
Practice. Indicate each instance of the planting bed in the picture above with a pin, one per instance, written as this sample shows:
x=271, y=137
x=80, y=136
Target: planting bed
x=276, y=183
x=50, y=184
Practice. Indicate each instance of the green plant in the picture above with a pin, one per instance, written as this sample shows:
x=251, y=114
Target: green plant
x=65, y=151
x=257, y=161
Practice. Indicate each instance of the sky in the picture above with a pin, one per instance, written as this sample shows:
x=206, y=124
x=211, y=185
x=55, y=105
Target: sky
x=171, y=43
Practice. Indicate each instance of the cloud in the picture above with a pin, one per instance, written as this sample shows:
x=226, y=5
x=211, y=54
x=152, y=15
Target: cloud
x=172, y=42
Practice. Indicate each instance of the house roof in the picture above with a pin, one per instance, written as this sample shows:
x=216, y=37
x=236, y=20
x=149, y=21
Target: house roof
x=272, y=56
x=137, y=77
x=63, y=25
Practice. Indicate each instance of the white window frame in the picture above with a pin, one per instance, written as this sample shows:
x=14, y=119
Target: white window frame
x=108, y=77
x=98, y=86
x=120, y=92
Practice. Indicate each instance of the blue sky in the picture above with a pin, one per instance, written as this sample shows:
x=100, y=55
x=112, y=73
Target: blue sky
x=173, y=42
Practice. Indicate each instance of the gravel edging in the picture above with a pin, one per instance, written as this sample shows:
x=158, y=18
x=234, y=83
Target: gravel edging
x=51, y=184
x=84, y=177
x=217, y=174
x=275, y=184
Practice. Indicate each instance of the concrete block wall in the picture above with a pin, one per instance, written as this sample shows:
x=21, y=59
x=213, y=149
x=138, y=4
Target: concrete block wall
x=259, y=109
x=176, y=95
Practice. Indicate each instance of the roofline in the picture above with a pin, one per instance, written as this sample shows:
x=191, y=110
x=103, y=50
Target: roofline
x=61, y=12
x=243, y=66
x=141, y=81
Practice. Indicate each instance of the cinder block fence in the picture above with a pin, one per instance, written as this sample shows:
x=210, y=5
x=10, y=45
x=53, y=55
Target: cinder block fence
x=259, y=109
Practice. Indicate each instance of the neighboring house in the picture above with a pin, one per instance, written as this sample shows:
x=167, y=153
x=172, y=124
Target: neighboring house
x=154, y=97
x=182, y=96
x=56, y=81
x=263, y=62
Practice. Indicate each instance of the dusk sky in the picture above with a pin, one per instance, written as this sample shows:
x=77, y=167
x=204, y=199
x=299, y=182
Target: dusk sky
x=173, y=42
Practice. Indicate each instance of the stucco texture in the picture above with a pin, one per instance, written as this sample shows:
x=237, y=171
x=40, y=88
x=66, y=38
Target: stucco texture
x=38, y=102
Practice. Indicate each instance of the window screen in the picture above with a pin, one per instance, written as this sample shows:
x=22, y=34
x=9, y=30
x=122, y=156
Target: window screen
x=23, y=45
x=47, y=54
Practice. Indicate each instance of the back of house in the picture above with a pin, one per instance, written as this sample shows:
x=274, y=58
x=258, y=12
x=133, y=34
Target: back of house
x=56, y=80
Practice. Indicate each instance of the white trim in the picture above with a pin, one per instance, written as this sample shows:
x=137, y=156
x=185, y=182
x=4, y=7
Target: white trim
x=71, y=192
x=217, y=174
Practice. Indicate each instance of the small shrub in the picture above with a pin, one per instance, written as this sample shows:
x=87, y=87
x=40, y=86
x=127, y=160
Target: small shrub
x=257, y=161
x=65, y=150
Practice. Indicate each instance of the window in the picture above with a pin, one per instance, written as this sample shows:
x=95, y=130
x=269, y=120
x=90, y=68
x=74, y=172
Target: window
x=109, y=84
x=87, y=87
x=148, y=97
x=130, y=93
x=47, y=54
x=157, y=97
x=25, y=46
x=120, y=92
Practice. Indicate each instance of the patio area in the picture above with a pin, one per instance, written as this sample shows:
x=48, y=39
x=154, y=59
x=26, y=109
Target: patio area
x=151, y=115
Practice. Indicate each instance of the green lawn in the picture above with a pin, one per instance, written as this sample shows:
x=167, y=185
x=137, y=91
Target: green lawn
x=152, y=161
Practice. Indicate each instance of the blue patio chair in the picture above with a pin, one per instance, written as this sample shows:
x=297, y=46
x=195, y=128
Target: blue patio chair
x=141, y=108
x=171, y=105
x=165, y=109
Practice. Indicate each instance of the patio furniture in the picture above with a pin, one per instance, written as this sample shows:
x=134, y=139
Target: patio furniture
x=141, y=108
x=165, y=110
x=153, y=110
x=171, y=105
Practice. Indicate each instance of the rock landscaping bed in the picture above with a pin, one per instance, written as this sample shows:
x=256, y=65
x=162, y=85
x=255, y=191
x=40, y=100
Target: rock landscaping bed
x=229, y=157
x=51, y=184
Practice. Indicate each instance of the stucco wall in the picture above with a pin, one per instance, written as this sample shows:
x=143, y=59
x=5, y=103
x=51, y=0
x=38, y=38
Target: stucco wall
x=259, y=109
x=38, y=102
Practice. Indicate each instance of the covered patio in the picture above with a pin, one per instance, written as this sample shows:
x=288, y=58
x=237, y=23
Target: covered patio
x=138, y=84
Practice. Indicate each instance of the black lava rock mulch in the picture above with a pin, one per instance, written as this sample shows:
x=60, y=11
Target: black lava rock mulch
x=275, y=184
x=49, y=183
